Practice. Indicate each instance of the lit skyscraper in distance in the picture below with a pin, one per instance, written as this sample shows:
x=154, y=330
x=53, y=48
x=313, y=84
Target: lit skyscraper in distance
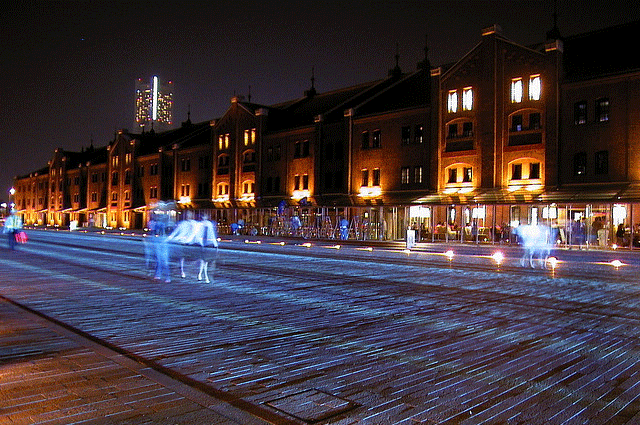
x=154, y=105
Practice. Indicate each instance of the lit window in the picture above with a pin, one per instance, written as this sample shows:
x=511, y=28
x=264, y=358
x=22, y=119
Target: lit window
x=405, y=175
x=417, y=174
x=534, y=87
x=467, y=99
x=452, y=101
x=602, y=109
x=516, y=90
x=467, y=174
x=580, y=112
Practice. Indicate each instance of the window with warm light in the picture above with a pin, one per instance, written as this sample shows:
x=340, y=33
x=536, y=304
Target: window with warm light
x=452, y=101
x=467, y=174
x=405, y=175
x=249, y=136
x=535, y=87
x=467, y=99
x=417, y=174
x=516, y=90
x=223, y=189
x=247, y=187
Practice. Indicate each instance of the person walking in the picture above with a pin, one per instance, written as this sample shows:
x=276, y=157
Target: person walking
x=12, y=226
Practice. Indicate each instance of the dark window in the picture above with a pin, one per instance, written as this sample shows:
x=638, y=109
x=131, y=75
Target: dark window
x=453, y=175
x=467, y=129
x=305, y=182
x=114, y=178
x=203, y=162
x=580, y=164
x=534, y=121
x=296, y=182
x=365, y=140
x=127, y=177
x=269, y=154
x=516, y=172
x=276, y=184
x=305, y=148
x=249, y=157
x=141, y=171
x=534, y=170
x=406, y=135
x=328, y=151
x=602, y=109
x=580, y=112
x=376, y=140
x=328, y=179
x=76, y=181
x=186, y=164
x=338, y=180
x=153, y=170
x=516, y=123
x=376, y=177
x=365, y=178
x=453, y=131
x=602, y=162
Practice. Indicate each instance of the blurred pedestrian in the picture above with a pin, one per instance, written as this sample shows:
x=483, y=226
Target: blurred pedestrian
x=208, y=240
x=12, y=226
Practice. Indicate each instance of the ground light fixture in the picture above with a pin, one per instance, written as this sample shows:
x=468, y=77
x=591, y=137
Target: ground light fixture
x=449, y=254
x=552, y=262
x=617, y=264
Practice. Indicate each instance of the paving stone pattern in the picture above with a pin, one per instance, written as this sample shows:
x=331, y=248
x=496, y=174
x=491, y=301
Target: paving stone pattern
x=46, y=377
x=406, y=339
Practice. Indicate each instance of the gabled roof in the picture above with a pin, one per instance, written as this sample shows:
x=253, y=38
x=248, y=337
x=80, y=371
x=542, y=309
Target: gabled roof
x=608, y=51
x=411, y=91
x=186, y=136
x=331, y=105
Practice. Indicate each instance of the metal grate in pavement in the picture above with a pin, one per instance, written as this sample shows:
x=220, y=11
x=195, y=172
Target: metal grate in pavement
x=311, y=405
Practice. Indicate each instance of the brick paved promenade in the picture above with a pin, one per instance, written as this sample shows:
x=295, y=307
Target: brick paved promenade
x=301, y=335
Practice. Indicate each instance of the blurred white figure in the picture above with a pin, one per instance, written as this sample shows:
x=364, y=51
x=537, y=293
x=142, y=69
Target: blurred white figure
x=207, y=239
x=537, y=241
x=196, y=240
x=184, y=235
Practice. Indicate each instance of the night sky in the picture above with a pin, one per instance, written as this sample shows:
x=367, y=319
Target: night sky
x=68, y=68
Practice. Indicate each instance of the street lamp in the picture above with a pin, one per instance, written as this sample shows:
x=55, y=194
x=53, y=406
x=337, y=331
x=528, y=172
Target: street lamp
x=12, y=192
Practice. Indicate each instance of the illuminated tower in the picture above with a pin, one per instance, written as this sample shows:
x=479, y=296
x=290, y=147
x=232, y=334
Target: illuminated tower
x=154, y=105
